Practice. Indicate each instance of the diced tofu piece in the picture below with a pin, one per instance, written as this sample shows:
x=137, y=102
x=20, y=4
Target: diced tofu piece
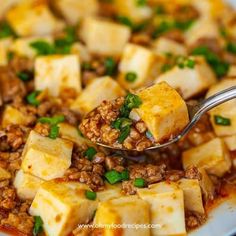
x=57, y=72
x=124, y=210
x=167, y=208
x=4, y=47
x=4, y=174
x=62, y=206
x=104, y=37
x=26, y=185
x=190, y=81
x=6, y=5
x=232, y=71
x=80, y=50
x=29, y=19
x=192, y=195
x=213, y=156
x=109, y=192
x=163, y=110
x=164, y=45
x=100, y=89
x=138, y=60
x=205, y=27
x=226, y=110
x=75, y=10
x=21, y=46
x=132, y=10
x=46, y=158
x=230, y=142
x=12, y=115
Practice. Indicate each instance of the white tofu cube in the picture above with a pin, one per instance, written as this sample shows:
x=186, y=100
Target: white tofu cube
x=28, y=19
x=167, y=208
x=190, y=81
x=81, y=51
x=21, y=46
x=75, y=10
x=26, y=185
x=225, y=110
x=132, y=10
x=62, y=206
x=164, y=45
x=4, y=174
x=123, y=210
x=100, y=89
x=163, y=110
x=57, y=72
x=104, y=37
x=230, y=142
x=4, y=49
x=46, y=158
x=138, y=60
x=213, y=156
x=192, y=195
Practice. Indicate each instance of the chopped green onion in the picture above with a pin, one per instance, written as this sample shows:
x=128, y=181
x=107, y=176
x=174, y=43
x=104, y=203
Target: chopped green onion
x=113, y=176
x=184, y=25
x=23, y=75
x=149, y=135
x=121, y=123
x=220, y=120
x=166, y=67
x=131, y=76
x=124, y=133
x=162, y=28
x=54, y=132
x=43, y=47
x=110, y=66
x=141, y=3
x=190, y=63
x=139, y=182
x=32, y=98
x=80, y=133
x=90, y=195
x=38, y=225
x=6, y=30
x=10, y=56
x=125, y=21
x=52, y=120
x=90, y=153
x=160, y=10
x=125, y=174
x=87, y=66
x=223, y=32
x=231, y=47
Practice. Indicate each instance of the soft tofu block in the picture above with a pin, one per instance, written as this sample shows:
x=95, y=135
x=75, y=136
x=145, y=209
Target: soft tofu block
x=190, y=81
x=26, y=185
x=163, y=45
x=124, y=210
x=6, y=5
x=81, y=51
x=57, y=72
x=167, y=208
x=132, y=10
x=213, y=156
x=104, y=37
x=75, y=10
x=225, y=110
x=62, y=206
x=100, y=89
x=192, y=195
x=4, y=49
x=4, y=174
x=163, y=110
x=230, y=142
x=46, y=158
x=138, y=60
x=28, y=19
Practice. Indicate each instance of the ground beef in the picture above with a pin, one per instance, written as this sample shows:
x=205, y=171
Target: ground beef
x=194, y=219
x=192, y=172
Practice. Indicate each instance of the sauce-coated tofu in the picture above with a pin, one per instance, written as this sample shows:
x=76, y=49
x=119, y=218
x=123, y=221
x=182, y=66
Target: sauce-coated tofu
x=100, y=89
x=57, y=72
x=4, y=47
x=104, y=37
x=138, y=60
x=213, y=156
x=163, y=110
x=230, y=142
x=46, y=158
x=26, y=185
x=62, y=206
x=190, y=81
x=128, y=210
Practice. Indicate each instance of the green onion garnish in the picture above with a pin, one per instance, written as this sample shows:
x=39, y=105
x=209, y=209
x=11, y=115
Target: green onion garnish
x=38, y=225
x=141, y=3
x=139, y=182
x=110, y=66
x=131, y=76
x=90, y=153
x=113, y=176
x=24, y=75
x=90, y=195
x=54, y=131
x=32, y=98
x=6, y=30
x=52, y=120
x=43, y=47
x=220, y=120
x=124, y=133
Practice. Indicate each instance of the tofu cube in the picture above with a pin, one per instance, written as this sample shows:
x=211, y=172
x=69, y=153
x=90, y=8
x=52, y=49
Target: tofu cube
x=100, y=89
x=62, y=206
x=26, y=185
x=132, y=10
x=213, y=156
x=230, y=142
x=123, y=210
x=104, y=37
x=164, y=45
x=75, y=10
x=232, y=71
x=190, y=81
x=192, y=195
x=4, y=174
x=46, y=158
x=6, y=5
x=163, y=110
x=4, y=49
x=226, y=110
x=138, y=60
x=81, y=51
x=57, y=72
x=166, y=201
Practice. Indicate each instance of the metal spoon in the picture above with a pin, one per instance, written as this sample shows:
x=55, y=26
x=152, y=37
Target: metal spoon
x=195, y=113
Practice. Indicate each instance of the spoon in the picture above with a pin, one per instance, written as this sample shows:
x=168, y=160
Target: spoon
x=195, y=113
